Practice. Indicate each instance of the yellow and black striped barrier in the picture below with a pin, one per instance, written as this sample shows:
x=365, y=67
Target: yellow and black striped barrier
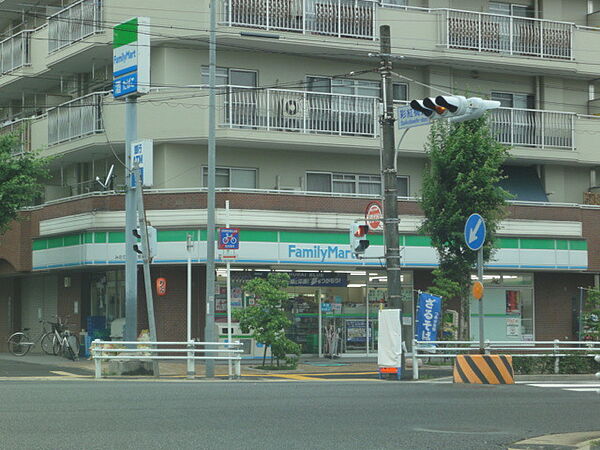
x=484, y=369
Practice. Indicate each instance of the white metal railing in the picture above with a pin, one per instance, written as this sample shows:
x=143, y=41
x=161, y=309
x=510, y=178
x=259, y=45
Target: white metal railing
x=76, y=118
x=75, y=22
x=15, y=51
x=143, y=350
x=22, y=128
x=450, y=349
x=301, y=111
x=507, y=34
x=530, y=127
x=341, y=18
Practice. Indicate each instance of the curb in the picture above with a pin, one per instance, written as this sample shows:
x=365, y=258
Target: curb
x=589, y=440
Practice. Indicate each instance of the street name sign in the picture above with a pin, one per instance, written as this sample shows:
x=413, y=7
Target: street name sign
x=408, y=117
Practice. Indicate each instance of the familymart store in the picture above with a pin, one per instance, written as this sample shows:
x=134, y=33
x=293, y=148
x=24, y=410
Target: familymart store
x=334, y=297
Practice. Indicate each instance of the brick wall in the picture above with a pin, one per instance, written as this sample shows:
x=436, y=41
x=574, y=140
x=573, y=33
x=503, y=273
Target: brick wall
x=555, y=296
x=170, y=310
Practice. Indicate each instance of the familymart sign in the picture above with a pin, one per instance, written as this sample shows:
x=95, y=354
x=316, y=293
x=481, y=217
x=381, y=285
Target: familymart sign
x=131, y=57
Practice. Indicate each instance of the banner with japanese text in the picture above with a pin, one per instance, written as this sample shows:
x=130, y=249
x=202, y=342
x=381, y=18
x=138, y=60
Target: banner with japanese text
x=429, y=311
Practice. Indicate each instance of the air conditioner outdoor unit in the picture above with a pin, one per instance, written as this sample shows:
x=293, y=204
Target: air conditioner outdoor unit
x=292, y=107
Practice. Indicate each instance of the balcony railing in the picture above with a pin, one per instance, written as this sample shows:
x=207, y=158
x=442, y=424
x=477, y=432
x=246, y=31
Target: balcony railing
x=507, y=34
x=75, y=119
x=300, y=111
x=15, y=52
x=75, y=22
x=341, y=18
x=22, y=129
x=535, y=128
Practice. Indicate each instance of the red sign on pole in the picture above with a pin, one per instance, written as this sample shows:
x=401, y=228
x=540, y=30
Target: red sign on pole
x=374, y=215
x=161, y=286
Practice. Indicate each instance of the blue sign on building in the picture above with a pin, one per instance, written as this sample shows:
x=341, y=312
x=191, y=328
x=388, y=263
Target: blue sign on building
x=408, y=117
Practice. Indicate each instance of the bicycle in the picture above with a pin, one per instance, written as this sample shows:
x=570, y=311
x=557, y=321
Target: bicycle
x=19, y=343
x=64, y=343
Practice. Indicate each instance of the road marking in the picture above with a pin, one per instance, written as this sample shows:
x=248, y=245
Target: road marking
x=69, y=374
x=573, y=387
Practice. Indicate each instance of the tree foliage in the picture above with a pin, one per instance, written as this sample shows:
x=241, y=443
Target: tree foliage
x=461, y=179
x=21, y=178
x=267, y=320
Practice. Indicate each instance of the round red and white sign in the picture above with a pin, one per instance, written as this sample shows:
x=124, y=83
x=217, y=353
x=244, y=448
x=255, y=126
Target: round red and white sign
x=374, y=216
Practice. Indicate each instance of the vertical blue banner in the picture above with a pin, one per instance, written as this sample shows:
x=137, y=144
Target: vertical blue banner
x=429, y=311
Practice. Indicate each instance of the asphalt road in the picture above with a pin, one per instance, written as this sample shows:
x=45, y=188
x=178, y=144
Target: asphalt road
x=13, y=367
x=294, y=415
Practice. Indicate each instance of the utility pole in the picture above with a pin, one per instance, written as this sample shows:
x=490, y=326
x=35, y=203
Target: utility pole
x=130, y=223
x=209, y=327
x=389, y=175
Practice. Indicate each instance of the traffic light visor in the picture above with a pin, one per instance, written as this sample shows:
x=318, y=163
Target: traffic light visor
x=417, y=105
x=450, y=103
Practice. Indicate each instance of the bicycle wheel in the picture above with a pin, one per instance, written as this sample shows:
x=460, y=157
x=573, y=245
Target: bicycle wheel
x=72, y=344
x=19, y=344
x=56, y=345
x=47, y=343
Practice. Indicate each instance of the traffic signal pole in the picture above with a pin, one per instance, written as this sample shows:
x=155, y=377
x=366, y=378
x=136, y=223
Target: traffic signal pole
x=389, y=175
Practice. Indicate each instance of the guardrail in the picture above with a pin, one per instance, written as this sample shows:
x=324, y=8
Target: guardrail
x=15, y=51
x=532, y=127
x=73, y=23
x=143, y=350
x=340, y=18
x=523, y=36
x=76, y=118
x=301, y=111
x=450, y=349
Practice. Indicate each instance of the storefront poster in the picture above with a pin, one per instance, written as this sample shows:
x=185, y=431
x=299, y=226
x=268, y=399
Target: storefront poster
x=428, y=316
x=513, y=302
x=356, y=331
x=315, y=279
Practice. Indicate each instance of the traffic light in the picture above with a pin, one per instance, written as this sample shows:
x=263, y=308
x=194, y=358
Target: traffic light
x=152, y=241
x=358, y=238
x=455, y=108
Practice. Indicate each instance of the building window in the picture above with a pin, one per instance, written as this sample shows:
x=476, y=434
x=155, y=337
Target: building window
x=231, y=77
x=400, y=92
x=512, y=100
x=227, y=177
x=348, y=183
x=510, y=9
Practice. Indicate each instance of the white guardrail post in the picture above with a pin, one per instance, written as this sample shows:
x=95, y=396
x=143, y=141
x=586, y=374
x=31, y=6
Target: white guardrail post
x=556, y=357
x=191, y=363
x=97, y=361
x=415, y=360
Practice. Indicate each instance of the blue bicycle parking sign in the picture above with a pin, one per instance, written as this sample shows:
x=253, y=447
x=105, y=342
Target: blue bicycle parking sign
x=229, y=238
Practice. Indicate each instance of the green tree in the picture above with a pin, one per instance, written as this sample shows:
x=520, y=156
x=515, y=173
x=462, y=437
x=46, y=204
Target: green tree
x=590, y=319
x=21, y=178
x=461, y=178
x=267, y=320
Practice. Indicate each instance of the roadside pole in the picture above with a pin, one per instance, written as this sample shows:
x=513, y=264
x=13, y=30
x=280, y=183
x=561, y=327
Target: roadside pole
x=143, y=227
x=130, y=223
x=474, y=234
x=229, y=333
x=191, y=364
x=389, y=172
x=209, y=328
x=480, y=278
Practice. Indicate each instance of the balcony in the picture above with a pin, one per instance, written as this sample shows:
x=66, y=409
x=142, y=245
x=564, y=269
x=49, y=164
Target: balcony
x=533, y=128
x=340, y=18
x=22, y=129
x=507, y=34
x=300, y=111
x=73, y=23
x=75, y=119
x=15, y=52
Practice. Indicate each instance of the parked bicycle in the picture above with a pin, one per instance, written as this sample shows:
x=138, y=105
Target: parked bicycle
x=19, y=343
x=64, y=342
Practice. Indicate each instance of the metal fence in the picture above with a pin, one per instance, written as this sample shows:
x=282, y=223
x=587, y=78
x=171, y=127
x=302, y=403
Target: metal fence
x=76, y=118
x=341, y=18
x=300, y=111
x=22, y=128
x=189, y=351
x=507, y=34
x=450, y=349
x=75, y=22
x=15, y=51
x=536, y=128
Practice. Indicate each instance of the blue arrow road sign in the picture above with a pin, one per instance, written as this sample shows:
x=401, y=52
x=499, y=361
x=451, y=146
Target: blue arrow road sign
x=475, y=232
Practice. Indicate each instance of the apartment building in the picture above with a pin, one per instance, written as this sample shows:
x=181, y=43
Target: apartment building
x=298, y=144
